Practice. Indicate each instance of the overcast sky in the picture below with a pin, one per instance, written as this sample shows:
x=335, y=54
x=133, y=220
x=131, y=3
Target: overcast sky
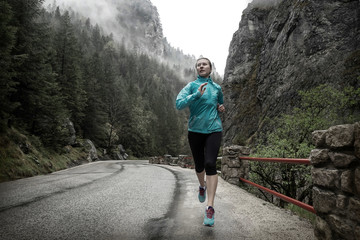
x=201, y=27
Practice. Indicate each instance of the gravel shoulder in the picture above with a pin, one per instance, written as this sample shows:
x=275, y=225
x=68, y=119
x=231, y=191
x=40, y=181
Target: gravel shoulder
x=263, y=220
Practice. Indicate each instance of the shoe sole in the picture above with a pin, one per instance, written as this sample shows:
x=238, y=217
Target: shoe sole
x=208, y=225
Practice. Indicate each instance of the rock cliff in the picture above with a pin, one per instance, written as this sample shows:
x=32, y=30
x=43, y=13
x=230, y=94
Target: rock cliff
x=282, y=47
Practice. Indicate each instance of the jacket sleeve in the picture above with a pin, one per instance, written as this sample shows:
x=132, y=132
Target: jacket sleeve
x=220, y=96
x=186, y=97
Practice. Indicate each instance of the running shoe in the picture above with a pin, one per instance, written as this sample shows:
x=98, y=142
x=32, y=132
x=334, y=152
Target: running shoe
x=202, y=194
x=209, y=216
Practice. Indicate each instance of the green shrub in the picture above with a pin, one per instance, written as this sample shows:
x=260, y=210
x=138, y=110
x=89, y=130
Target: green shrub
x=290, y=137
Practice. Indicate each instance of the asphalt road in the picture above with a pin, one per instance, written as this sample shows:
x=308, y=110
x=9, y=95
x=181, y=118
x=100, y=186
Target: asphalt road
x=136, y=200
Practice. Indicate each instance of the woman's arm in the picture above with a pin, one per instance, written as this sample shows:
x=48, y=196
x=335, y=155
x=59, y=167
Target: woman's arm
x=186, y=97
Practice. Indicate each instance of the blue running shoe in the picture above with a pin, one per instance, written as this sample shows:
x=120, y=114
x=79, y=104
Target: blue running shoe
x=202, y=194
x=209, y=216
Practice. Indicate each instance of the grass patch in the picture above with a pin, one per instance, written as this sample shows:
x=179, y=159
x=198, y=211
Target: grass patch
x=24, y=156
x=301, y=212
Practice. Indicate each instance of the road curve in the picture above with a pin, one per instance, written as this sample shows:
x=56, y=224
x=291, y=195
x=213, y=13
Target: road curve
x=135, y=200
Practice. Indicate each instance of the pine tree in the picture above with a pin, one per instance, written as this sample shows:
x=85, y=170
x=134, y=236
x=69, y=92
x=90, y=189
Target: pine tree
x=135, y=134
x=95, y=113
x=112, y=93
x=69, y=75
x=7, y=83
x=41, y=111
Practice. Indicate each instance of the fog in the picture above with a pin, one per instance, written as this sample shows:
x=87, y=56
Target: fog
x=104, y=13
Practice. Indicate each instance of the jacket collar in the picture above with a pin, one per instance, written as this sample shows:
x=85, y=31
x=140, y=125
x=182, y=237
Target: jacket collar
x=202, y=79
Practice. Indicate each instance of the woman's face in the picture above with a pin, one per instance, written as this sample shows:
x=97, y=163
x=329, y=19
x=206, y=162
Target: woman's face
x=203, y=68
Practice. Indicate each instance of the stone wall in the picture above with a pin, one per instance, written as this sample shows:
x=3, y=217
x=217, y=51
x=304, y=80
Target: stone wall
x=231, y=166
x=336, y=178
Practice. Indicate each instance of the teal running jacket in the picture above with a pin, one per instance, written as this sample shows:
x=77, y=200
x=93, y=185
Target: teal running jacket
x=204, y=116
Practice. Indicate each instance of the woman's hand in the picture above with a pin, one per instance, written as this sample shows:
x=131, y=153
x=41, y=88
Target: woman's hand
x=202, y=88
x=220, y=108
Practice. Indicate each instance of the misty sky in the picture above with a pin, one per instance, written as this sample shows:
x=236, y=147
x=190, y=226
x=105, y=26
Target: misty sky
x=200, y=27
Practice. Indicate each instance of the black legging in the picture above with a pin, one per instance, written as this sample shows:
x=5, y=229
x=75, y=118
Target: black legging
x=205, y=149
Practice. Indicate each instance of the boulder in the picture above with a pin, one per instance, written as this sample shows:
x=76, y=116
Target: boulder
x=91, y=150
x=71, y=139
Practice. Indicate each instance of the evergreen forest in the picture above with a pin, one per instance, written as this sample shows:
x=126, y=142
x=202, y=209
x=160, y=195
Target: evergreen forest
x=57, y=68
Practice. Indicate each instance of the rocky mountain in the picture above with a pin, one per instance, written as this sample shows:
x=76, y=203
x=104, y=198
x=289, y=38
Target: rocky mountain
x=282, y=47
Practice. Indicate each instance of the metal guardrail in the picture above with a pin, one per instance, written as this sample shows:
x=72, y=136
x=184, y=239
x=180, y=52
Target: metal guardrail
x=281, y=160
x=283, y=197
